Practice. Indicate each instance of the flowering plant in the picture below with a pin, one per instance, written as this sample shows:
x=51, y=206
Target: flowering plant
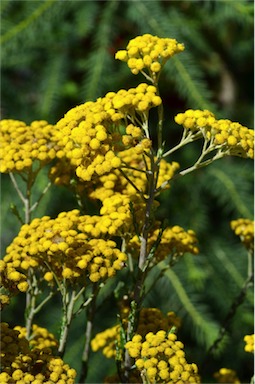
x=107, y=151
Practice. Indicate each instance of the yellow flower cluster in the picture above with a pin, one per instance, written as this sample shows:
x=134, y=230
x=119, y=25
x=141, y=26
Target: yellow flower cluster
x=150, y=319
x=22, y=365
x=62, y=173
x=116, y=219
x=11, y=345
x=230, y=137
x=4, y=300
x=153, y=320
x=174, y=240
x=226, y=375
x=134, y=168
x=10, y=277
x=107, y=341
x=244, y=228
x=195, y=120
x=59, y=244
x=40, y=338
x=148, y=52
x=116, y=194
x=114, y=182
x=160, y=358
x=22, y=144
x=90, y=134
x=249, y=340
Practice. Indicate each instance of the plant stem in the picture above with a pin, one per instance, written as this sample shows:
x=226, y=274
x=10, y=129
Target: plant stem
x=197, y=165
x=187, y=137
x=15, y=184
x=31, y=308
x=91, y=309
x=68, y=306
x=30, y=301
x=152, y=179
x=148, y=213
x=34, y=206
x=33, y=290
x=131, y=182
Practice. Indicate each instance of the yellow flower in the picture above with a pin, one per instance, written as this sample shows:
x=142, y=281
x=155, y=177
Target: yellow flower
x=63, y=242
x=116, y=162
x=121, y=55
x=244, y=228
x=225, y=375
x=230, y=137
x=149, y=52
x=155, y=67
x=155, y=364
x=23, y=286
x=249, y=340
x=90, y=139
x=22, y=144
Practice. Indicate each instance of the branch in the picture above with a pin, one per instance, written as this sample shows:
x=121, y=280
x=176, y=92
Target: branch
x=131, y=182
x=91, y=310
x=197, y=165
x=15, y=184
x=68, y=305
x=40, y=198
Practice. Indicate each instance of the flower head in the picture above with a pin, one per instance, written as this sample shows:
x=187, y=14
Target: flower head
x=91, y=135
x=249, y=340
x=21, y=364
x=161, y=358
x=40, y=338
x=150, y=320
x=244, y=228
x=59, y=244
x=226, y=375
x=148, y=52
x=174, y=241
x=22, y=144
x=229, y=137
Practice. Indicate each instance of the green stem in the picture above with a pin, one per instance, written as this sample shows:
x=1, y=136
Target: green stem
x=31, y=308
x=147, y=77
x=33, y=289
x=142, y=267
x=84, y=304
x=45, y=301
x=187, y=137
x=197, y=165
x=148, y=213
x=15, y=184
x=131, y=182
x=125, y=166
x=35, y=205
x=250, y=262
x=91, y=310
x=68, y=306
x=31, y=296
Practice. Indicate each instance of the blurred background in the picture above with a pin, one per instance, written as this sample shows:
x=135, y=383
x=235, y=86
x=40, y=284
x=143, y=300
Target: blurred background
x=58, y=54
